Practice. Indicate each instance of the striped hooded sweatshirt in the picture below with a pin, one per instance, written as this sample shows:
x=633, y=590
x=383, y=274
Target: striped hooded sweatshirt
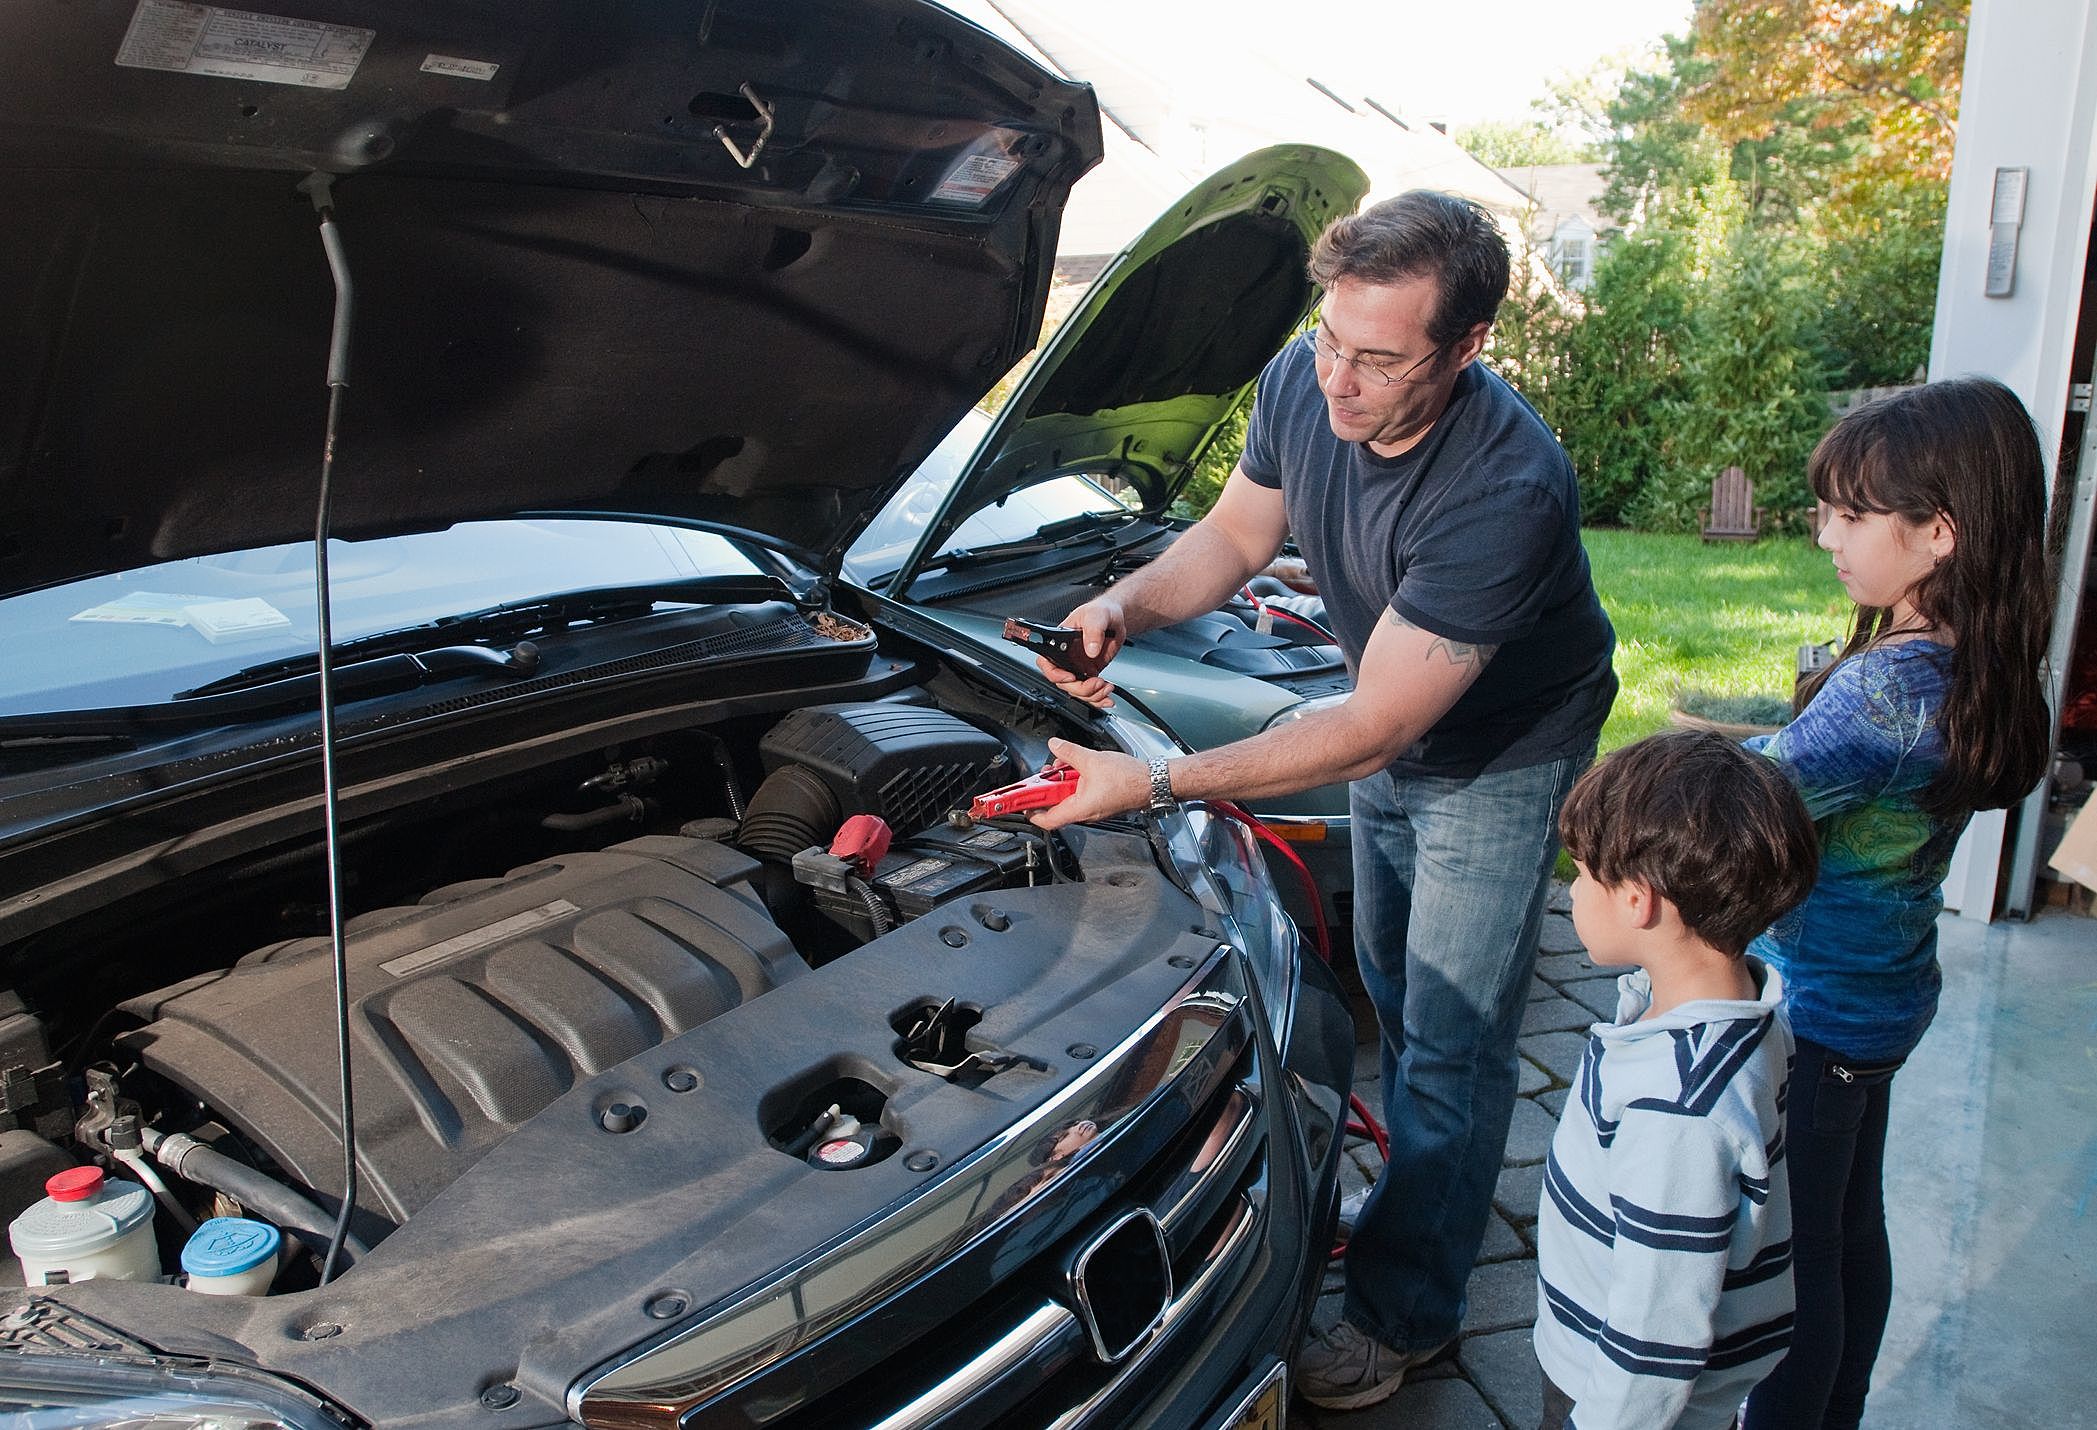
x=1664, y=1237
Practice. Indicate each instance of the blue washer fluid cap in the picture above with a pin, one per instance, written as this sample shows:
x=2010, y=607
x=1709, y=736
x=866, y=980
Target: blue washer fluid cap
x=229, y=1245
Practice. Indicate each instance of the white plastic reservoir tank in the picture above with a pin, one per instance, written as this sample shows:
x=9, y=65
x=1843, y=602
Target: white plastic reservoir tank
x=88, y=1225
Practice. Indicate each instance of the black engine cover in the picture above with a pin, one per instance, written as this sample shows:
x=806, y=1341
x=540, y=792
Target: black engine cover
x=470, y=1012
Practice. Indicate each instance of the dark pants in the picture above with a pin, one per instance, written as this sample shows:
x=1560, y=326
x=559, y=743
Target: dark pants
x=1835, y=1148
x=1557, y=1405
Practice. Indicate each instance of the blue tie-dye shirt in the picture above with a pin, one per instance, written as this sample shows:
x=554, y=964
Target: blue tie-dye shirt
x=1859, y=956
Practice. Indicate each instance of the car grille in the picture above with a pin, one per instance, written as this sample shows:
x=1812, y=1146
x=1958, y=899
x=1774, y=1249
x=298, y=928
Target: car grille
x=995, y=1334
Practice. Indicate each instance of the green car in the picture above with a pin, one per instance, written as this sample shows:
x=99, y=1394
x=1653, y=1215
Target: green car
x=1070, y=486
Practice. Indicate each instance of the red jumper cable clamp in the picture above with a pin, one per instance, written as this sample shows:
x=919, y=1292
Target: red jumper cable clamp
x=1052, y=786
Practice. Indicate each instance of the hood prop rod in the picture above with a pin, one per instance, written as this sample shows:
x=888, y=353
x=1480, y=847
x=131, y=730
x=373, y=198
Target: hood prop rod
x=319, y=188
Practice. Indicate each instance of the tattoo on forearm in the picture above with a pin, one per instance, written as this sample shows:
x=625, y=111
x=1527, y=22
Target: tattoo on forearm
x=1454, y=651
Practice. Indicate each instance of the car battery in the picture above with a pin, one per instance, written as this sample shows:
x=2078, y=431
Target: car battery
x=919, y=876
x=1010, y=851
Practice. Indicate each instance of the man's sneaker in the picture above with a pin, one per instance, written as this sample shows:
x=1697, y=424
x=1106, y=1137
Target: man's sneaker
x=1351, y=1212
x=1346, y=1369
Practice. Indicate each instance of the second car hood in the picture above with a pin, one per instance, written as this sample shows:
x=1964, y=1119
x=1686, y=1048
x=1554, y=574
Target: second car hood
x=1166, y=344
x=571, y=292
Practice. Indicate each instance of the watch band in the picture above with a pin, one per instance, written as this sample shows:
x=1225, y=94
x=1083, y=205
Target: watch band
x=1161, y=800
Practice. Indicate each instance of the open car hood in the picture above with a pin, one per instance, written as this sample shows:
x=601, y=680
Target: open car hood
x=731, y=261
x=1167, y=343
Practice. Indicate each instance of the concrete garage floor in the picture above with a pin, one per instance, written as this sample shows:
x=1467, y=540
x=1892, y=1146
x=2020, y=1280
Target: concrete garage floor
x=1991, y=1186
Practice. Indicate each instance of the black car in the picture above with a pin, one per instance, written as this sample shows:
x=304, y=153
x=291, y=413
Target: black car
x=455, y=818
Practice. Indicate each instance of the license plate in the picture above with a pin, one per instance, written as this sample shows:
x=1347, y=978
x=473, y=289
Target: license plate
x=1267, y=1408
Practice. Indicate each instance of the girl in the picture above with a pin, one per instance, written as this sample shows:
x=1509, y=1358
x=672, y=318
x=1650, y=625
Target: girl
x=1934, y=710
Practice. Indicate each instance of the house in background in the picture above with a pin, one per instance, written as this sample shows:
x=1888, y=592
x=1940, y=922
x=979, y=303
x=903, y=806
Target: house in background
x=1562, y=221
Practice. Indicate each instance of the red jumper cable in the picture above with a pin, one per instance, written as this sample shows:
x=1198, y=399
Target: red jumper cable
x=1361, y=1121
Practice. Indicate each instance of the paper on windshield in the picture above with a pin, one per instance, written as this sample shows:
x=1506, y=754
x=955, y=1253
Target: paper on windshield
x=143, y=608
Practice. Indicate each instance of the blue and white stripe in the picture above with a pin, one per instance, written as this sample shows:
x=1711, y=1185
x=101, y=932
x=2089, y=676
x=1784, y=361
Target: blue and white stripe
x=1664, y=1235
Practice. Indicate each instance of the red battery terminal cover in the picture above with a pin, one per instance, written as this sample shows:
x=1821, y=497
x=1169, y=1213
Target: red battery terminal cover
x=861, y=841
x=1052, y=786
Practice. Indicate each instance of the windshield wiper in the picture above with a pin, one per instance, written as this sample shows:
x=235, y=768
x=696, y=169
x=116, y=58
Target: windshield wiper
x=1086, y=526
x=448, y=646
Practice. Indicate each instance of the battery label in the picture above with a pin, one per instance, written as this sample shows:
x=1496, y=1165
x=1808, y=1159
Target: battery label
x=910, y=873
x=239, y=44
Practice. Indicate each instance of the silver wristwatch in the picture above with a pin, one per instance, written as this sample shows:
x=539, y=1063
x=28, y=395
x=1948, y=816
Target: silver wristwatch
x=1161, y=800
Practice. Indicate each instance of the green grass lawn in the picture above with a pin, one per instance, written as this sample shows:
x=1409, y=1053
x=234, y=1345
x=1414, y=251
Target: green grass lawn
x=1723, y=617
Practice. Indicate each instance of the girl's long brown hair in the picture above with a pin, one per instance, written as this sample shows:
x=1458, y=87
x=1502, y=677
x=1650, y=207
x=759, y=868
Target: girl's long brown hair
x=1965, y=450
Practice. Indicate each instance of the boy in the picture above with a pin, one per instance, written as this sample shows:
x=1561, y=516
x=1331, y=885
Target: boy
x=1664, y=1237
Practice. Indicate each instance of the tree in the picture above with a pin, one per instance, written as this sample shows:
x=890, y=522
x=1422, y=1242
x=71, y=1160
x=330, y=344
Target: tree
x=1664, y=144
x=1752, y=387
x=1885, y=71
x=1576, y=104
x=1515, y=144
x=1877, y=274
x=1621, y=370
x=1658, y=153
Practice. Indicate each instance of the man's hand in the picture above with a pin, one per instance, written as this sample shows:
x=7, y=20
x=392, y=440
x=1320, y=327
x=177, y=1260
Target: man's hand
x=1109, y=782
x=1293, y=573
x=1103, y=627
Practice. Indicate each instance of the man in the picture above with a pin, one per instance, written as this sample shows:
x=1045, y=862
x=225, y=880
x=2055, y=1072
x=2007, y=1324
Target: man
x=1440, y=520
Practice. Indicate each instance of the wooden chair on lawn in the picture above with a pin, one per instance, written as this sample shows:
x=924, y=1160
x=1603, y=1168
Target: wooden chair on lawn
x=1732, y=515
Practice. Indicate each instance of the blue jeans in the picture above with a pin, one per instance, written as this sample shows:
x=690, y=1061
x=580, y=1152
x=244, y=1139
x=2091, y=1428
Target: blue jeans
x=1449, y=883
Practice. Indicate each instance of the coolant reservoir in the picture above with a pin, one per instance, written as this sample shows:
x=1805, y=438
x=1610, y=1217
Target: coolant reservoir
x=88, y=1225
x=232, y=1256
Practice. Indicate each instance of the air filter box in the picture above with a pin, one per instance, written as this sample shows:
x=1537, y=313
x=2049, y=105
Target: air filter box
x=906, y=763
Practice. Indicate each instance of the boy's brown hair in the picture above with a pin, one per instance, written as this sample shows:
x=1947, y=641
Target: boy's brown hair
x=1716, y=831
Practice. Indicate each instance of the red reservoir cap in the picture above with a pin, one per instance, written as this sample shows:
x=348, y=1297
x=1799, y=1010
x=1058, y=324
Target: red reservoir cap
x=75, y=1184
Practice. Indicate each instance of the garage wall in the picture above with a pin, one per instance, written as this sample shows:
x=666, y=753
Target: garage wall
x=2029, y=101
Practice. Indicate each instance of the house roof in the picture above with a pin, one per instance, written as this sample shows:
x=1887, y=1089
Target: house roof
x=1560, y=192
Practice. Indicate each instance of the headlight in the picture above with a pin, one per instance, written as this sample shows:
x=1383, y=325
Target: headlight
x=1220, y=860
x=1304, y=707
x=60, y=1393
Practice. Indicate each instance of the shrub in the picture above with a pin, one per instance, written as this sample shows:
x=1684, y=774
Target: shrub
x=1753, y=389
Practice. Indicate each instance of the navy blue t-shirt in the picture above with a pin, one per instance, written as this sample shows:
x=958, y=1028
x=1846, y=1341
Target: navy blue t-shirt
x=1473, y=534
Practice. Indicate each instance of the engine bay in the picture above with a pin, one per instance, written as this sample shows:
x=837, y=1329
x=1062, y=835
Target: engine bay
x=640, y=894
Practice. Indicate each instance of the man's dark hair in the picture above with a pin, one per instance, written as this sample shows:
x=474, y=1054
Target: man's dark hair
x=1716, y=831
x=1422, y=233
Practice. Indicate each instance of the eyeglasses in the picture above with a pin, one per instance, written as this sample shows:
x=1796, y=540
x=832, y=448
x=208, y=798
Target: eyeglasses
x=1373, y=372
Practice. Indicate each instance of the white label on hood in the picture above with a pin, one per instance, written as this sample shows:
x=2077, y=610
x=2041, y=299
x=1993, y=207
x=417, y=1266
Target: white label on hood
x=464, y=69
x=974, y=179
x=238, y=44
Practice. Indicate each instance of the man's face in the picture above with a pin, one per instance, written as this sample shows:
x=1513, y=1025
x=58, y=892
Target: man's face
x=1385, y=325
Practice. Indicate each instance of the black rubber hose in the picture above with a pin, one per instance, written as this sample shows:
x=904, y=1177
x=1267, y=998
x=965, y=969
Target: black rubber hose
x=630, y=808
x=193, y=1161
x=792, y=810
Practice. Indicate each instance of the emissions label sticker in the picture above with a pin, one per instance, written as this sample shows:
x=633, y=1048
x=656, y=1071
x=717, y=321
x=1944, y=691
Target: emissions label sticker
x=974, y=179
x=239, y=44
x=480, y=938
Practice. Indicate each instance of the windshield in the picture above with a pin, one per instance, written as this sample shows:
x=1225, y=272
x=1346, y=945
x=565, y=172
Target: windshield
x=888, y=538
x=137, y=637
